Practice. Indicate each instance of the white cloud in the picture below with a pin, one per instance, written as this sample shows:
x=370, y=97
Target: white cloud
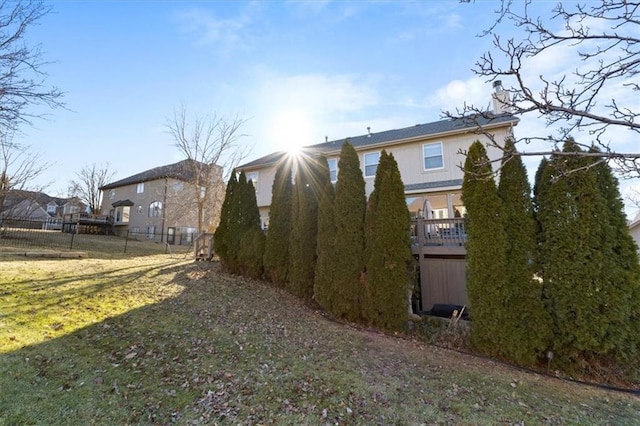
x=227, y=33
x=456, y=93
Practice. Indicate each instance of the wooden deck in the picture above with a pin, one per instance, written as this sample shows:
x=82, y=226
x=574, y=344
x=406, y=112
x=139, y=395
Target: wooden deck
x=438, y=236
x=439, y=246
x=85, y=223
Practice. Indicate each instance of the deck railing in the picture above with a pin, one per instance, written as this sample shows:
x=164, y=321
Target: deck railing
x=438, y=232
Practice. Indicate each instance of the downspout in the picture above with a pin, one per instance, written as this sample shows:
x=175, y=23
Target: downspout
x=164, y=208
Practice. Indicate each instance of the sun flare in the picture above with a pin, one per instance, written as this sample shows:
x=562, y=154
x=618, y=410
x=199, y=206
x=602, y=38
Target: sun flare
x=292, y=129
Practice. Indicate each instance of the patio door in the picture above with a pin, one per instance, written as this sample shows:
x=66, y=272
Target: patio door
x=171, y=235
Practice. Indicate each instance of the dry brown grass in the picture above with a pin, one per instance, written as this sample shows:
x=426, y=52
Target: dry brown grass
x=161, y=340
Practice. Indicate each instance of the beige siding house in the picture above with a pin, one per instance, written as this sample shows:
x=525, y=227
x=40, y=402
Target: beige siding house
x=429, y=157
x=162, y=204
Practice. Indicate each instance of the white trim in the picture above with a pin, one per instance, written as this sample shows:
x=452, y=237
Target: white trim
x=335, y=161
x=424, y=145
x=364, y=163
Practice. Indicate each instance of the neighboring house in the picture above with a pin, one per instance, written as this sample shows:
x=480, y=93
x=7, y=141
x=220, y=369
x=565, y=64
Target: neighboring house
x=34, y=205
x=429, y=158
x=161, y=203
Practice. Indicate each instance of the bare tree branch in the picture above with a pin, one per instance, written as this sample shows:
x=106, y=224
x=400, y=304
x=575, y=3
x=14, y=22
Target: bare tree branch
x=598, y=95
x=22, y=79
x=212, y=143
x=19, y=167
x=88, y=183
x=22, y=86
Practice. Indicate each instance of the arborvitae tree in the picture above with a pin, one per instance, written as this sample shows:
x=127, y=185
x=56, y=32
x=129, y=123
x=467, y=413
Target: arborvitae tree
x=569, y=213
x=239, y=222
x=540, y=185
x=486, y=260
x=350, y=207
x=388, y=248
x=589, y=265
x=219, y=237
x=324, y=292
x=276, y=254
x=527, y=325
x=305, y=230
x=251, y=243
x=368, y=302
x=620, y=273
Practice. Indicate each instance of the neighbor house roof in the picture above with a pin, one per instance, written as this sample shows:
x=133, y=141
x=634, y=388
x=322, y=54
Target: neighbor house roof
x=182, y=170
x=397, y=135
x=16, y=196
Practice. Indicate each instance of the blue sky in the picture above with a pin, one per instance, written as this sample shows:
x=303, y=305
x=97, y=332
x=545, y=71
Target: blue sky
x=296, y=70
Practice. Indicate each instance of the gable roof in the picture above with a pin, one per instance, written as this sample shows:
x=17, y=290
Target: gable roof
x=16, y=197
x=182, y=170
x=456, y=125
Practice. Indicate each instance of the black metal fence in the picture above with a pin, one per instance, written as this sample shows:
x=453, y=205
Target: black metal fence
x=37, y=234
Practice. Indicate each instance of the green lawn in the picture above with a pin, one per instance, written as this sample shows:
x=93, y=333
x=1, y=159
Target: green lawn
x=157, y=339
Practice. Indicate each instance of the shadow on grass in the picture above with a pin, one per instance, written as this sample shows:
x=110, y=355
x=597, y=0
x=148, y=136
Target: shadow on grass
x=39, y=297
x=235, y=350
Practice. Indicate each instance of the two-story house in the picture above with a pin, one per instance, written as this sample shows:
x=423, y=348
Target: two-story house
x=430, y=158
x=167, y=203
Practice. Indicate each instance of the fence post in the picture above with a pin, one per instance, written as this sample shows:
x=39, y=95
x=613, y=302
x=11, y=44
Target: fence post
x=126, y=240
x=72, y=234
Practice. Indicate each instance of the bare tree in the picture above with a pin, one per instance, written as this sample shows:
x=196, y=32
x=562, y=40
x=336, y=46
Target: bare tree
x=597, y=96
x=21, y=65
x=213, y=145
x=88, y=183
x=19, y=167
x=21, y=87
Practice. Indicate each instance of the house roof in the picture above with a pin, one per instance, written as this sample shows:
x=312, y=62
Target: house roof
x=389, y=136
x=182, y=170
x=17, y=196
x=120, y=203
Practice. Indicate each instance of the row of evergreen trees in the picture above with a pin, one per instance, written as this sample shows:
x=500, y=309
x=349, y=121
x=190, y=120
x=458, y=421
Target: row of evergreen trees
x=326, y=245
x=556, y=274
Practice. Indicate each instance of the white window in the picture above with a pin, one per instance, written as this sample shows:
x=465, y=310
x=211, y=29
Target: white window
x=140, y=188
x=112, y=194
x=51, y=208
x=122, y=214
x=69, y=209
x=155, y=209
x=432, y=155
x=138, y=209
x=371, y=161
x=333, y=169
x=187, y=234
x=151, y=232
x=253, y=177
